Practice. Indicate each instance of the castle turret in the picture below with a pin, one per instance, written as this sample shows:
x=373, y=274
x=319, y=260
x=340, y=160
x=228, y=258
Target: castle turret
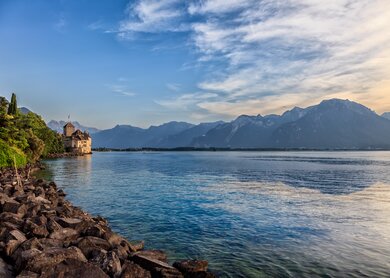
x=68, y=129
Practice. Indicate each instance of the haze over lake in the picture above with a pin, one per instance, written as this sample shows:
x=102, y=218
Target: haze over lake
x=251, y=214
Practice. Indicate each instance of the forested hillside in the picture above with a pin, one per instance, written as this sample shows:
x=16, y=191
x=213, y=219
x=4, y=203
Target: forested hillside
x=24, y=138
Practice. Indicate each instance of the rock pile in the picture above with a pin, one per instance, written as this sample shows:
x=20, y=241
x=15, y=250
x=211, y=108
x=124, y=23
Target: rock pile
x=43, y=235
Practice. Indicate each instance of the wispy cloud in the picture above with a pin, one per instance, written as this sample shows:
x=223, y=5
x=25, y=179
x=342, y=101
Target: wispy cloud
x=185, y=101
x=276, y=53
x=152, y=16
x=120, y=89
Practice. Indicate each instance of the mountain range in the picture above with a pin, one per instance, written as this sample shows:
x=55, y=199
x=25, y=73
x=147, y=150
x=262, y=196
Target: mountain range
x=332, y=124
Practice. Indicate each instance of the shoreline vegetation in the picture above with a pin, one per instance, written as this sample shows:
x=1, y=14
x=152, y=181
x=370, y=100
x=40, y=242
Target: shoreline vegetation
x=43, y=235
x=24, y=137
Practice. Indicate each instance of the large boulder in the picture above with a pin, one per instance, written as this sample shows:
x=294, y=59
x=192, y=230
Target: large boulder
x=150, y=263
x=70, y=268
x=89, y=244
x=65, y=234
x=53, y=256
x=132, y=270
x=11, y=218
x=14, y=238
x=154, y=254
x=191, y=266
x=109, y=262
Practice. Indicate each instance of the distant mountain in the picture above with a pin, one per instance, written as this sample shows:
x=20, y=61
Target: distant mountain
x=126, y=136
x=333, y=123
x=58, y=126
x=247, y=131
x=386, y=115
x=24, y=110
x=184, y=138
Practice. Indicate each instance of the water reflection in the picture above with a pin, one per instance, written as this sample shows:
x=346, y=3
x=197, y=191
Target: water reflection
x=251, y=214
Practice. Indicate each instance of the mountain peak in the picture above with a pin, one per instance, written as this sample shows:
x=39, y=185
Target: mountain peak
x=346, y=104
x=386, y=115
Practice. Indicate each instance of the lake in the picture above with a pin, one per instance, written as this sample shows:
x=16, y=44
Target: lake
x=250, y=214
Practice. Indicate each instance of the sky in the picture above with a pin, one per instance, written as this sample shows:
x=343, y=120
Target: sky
x=147, y=62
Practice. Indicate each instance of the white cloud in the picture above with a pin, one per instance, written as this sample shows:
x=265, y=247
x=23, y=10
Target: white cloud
x=307, y=48
x=151, y=16
x=276, y=53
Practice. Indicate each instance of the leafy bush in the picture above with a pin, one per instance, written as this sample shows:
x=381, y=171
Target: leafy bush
x=9, y=154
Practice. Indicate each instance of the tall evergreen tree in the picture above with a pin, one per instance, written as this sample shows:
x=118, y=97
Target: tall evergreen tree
x=13, y=106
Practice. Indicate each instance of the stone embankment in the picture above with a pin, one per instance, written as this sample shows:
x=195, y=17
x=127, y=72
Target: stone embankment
x=44, y=235
x=63, y=155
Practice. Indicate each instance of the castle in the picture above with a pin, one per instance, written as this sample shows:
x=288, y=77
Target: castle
x=76, y=141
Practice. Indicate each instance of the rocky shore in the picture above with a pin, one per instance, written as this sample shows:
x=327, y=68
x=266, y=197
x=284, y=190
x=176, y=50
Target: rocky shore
x=44, y=235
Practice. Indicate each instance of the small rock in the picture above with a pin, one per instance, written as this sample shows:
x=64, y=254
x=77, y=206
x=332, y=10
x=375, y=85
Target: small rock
x=64, y=234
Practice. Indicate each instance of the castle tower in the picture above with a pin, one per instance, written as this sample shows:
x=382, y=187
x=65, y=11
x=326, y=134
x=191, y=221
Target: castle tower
x=68, y=129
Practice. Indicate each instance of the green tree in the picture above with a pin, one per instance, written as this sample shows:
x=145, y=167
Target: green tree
x=13, y=106
x=3, y=106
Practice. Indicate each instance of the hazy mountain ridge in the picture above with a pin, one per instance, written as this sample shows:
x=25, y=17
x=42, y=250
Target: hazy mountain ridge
x=126, y=136
x=386, y=115
x=333, y=124
x=58, y=126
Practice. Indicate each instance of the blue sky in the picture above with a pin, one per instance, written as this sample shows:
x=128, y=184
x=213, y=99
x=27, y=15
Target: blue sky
x=147, y=62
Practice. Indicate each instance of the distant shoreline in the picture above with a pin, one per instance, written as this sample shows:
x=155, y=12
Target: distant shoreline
x=190, y=149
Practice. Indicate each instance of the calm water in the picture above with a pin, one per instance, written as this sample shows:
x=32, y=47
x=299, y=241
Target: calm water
x=251, y=214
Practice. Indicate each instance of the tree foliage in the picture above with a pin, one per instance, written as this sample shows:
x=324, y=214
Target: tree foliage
x=24, y=134
x=13, y=106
